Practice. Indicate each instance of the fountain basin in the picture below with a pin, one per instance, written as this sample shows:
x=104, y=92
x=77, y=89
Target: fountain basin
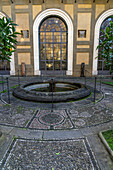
x=74, y=91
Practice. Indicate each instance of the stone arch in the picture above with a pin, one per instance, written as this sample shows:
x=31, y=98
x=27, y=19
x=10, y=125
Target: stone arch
x=96, y=38
x=12, y=63
x=67, y=19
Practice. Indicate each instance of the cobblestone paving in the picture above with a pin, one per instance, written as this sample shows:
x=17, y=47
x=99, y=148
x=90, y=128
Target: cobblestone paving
x=53, y=155
x=77, y=117
x=50, y=155
x=63, y=124
x=15, y=116
x=90, y=115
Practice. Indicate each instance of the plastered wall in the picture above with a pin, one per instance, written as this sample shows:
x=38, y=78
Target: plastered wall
x=36, y=10
x=82, y=58
x=84, y=23
x=7, y=10
x=99, y=9
x=22, y=19
x=69, y=10
x=24, y=58
x=83, y=14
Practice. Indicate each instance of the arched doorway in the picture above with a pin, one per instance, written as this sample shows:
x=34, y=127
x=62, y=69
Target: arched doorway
x=102, y=69
x=53, y=46
x=100, y=20
x=64, y=17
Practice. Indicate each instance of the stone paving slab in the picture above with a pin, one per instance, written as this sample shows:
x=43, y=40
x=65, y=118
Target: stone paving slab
x=96, y=129
x=104, y=161
x=27, y=134
x=66, y=134
x=48, y=155
x=5, y=141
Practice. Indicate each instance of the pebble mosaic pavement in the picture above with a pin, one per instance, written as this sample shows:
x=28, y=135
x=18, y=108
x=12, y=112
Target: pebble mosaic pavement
x=83, y=116
x=48, y=155
x=26, y=154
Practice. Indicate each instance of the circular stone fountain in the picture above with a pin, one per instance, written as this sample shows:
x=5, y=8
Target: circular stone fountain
x=45, y=91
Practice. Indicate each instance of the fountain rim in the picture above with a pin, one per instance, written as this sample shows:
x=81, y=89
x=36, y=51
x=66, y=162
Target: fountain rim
x=81, y=86
x=46, y=97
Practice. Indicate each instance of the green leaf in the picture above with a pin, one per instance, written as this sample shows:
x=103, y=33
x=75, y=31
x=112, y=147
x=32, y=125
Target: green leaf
x=13, y=24
x=8, y=36
x=107, y=29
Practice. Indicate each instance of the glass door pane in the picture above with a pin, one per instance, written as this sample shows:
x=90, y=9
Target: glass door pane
x=49, y=65
x=53, y=44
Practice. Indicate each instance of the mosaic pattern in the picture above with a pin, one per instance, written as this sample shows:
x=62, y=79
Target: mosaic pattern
x=73, y=115
x=51, y=119
x=69, y=154
x=88, y=116
x=58, y=119
x=15, y=116
x=46, y=119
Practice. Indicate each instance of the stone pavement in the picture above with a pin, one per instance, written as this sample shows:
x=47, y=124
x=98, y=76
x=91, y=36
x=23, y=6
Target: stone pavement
x=36, y=137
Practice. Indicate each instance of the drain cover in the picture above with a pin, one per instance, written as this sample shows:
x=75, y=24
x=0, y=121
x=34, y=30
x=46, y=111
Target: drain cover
x=51, y=119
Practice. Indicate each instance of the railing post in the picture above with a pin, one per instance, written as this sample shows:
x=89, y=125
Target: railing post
x=2, y=83
x=95, y=89
x=82, y=70
x=100, y=83
x=18, y=78
x=8, y=91
x=52, y=93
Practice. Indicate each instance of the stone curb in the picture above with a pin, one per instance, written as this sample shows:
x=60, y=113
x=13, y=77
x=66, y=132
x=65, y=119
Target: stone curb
x=2, y=100
x=106, y=144
x=108, y=84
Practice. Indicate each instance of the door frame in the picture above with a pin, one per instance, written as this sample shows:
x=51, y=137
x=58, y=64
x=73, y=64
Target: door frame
x=100, y=20
x=46, y=13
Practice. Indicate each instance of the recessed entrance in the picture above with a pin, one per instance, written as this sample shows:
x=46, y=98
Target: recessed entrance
x=101, y=64
x=53, y=46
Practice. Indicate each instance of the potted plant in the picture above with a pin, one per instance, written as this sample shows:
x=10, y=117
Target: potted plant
x=8, y=40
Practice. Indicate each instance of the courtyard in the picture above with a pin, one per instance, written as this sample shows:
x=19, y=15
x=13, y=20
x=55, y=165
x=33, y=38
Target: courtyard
x=35, y=136
x=56, y=84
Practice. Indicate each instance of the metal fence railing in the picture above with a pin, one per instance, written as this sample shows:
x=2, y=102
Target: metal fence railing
x=9, y=82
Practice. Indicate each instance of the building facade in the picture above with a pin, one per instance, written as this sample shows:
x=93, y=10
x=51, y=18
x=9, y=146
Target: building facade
x=56, y=35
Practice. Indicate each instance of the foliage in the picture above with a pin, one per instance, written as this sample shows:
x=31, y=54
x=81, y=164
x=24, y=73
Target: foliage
x=108, y=135
x=107, y=82
x=12, y=87
x=106, y=46
x=7, y=38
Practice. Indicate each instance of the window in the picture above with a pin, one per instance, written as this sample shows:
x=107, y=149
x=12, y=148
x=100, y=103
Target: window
x=53, y=44
x=24, y=33
x=81, y=33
